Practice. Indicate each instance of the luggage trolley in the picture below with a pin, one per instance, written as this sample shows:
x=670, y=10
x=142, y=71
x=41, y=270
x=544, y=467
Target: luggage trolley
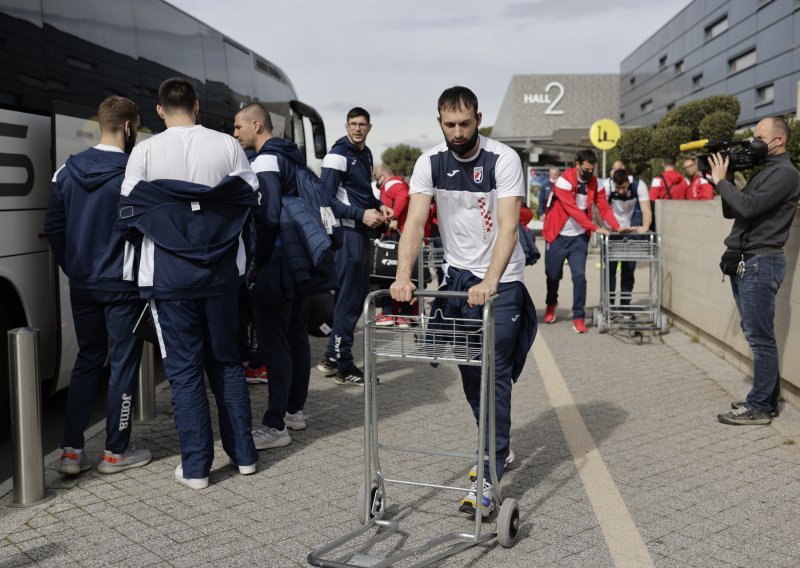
x=385, y=269
x=644, y=311
x=443, y=340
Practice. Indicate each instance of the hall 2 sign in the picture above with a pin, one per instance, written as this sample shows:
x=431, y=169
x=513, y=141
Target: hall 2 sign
x=555, y=89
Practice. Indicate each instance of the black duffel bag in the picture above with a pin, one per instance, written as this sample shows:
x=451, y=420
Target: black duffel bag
x=384, y=260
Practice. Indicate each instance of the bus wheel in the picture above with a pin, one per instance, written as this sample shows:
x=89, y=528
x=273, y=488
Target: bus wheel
x=5, y=414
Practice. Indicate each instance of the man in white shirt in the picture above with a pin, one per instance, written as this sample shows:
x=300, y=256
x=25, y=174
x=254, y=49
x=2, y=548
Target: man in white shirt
x=623, y=192
x=478, y=185
x=196, y=325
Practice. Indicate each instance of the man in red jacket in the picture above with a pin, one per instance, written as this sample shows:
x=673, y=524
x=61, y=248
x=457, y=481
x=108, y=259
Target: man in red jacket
x=394, y=194
x=567, y=227
x=670, y=184
x=699, y=186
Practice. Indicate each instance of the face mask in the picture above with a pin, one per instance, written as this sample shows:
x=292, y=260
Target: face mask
x=759, y=149
x=462, y=149
x=583, y=175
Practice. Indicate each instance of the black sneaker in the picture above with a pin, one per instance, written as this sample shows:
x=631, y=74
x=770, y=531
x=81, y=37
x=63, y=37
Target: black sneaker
x=327, y=366
x=354, y=376
x=741, y=403
x=745, y=415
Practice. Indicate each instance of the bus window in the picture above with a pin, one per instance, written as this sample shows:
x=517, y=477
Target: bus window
x=240, y=73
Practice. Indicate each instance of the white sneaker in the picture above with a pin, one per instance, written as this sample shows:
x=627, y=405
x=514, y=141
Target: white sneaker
x=74, y=461
x=469, y=501
x=265, y=437
x=295, y=420
x=247, y=469
x=473, y=473
x=198, y=483
x=114, y=463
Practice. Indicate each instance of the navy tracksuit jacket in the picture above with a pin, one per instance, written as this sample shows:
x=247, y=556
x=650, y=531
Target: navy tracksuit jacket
x=191, y=264
x=91, y=249
x=280, y=311
x=347, y=178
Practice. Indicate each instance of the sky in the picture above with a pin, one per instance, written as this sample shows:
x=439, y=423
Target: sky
x=395, y=58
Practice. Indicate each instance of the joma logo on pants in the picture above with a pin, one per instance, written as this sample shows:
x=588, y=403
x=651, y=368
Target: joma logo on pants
x=125, y=414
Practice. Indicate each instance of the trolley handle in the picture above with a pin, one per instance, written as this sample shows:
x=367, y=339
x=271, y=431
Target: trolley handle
x=429, y=294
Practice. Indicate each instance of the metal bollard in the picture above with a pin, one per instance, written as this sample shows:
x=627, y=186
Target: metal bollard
x=145, y=407
x=26, y=416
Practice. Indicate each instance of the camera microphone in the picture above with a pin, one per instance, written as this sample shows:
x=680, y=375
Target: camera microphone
x=695, y=145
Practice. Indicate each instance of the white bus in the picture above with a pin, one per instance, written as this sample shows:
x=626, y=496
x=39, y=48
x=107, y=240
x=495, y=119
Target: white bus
x=58, y=60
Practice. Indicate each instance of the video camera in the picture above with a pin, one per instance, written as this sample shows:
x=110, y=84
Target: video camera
x=743, y=154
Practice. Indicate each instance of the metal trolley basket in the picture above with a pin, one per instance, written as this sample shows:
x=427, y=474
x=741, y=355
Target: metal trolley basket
x=643, y=309
x=438, y=340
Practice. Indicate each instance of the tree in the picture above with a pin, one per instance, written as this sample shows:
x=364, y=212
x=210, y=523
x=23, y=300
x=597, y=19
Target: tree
x=635, y=146
x=485, y=131
x=401, y=158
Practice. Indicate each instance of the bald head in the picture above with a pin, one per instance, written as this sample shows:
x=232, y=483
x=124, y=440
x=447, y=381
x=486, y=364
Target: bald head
x=252, y=126
x=774, y=131
x=382, y=172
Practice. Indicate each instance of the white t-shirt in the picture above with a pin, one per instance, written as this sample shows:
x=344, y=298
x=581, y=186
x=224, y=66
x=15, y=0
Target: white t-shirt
x=466, y=194
x=623, y=209
x=189, y=153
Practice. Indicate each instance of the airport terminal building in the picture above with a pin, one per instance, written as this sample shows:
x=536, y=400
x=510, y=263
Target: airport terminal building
x=746, y=48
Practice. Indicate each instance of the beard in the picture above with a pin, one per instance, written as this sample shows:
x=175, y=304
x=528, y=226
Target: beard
x=462, y=149
x=130, y=142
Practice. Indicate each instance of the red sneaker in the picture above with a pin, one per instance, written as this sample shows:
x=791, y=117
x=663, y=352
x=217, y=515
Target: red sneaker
x=256, y=376
x=579, y=326
x=385, y=320
x=550, y=314
x=403, y=322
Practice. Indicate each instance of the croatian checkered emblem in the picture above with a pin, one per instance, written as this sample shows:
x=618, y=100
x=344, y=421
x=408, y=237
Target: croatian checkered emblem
x=477, y=174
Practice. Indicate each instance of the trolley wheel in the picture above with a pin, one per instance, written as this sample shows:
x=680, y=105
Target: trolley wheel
x=360, y=501
x=508, y=523
x=602, y=326
x=664, y=324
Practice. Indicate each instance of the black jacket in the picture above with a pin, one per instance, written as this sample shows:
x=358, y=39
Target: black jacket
x=764, y=210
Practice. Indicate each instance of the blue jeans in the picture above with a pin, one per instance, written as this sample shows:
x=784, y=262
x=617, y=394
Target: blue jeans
x=754, y=293
x=575, y=249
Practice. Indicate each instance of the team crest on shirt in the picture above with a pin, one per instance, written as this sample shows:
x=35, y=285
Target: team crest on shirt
x=477, y=174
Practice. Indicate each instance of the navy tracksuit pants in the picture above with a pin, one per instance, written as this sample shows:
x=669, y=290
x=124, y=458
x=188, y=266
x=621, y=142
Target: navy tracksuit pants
x=195, y=335
x=283, y=346
x=507, y=320
x=352, y=271
x=103, y=325
x=575, y=250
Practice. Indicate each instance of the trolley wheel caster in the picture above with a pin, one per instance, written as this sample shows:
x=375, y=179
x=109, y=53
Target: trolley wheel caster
x=508, y=523
x=595, y=316
x=602, y=327
x=360, y=501
x=664, y=325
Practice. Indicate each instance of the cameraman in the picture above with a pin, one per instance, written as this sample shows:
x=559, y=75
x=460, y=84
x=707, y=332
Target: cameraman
x=763, y=212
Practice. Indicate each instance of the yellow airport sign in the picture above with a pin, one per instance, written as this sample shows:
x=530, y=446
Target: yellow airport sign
x=604, y=134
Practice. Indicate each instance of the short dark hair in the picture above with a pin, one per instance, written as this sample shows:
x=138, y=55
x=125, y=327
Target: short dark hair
x=586, y=155
x=669, y=161
x=177, y=94
x=114, y=112
x=779, y=123
x=260, y=112
x=619, y=177
x=358, y=111
x=457, y=97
